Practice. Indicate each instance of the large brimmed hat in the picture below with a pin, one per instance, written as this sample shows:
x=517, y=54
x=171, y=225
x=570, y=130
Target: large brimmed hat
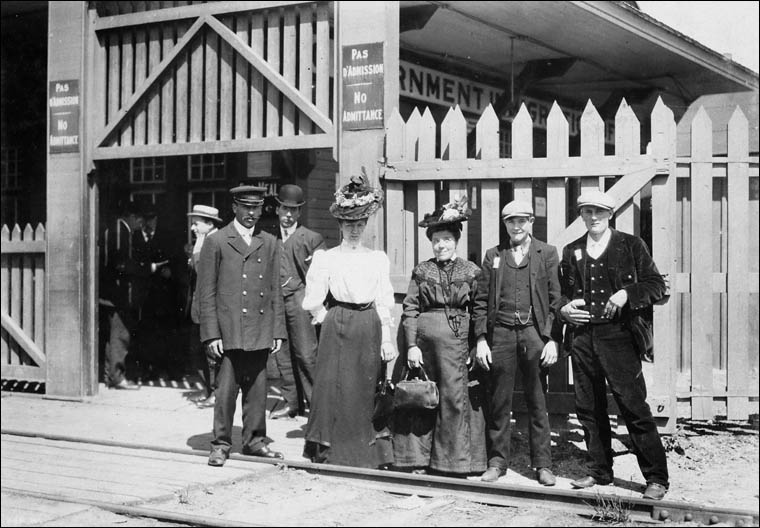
x=357, y=199
x=250, y=195
x=596, y=198
x=449, y=216
x=290, y=196
x=205, y=211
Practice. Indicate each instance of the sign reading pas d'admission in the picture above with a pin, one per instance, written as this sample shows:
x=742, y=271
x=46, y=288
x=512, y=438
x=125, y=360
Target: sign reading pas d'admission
x=363, y=83
x=64, y=116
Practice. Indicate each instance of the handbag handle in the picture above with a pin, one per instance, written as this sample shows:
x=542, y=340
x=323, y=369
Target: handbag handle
x=424, y=376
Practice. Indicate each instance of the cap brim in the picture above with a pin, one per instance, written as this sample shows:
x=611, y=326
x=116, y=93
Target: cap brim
x=288, y=203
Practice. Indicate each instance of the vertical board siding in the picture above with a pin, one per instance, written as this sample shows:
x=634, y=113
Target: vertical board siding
x=706, y=329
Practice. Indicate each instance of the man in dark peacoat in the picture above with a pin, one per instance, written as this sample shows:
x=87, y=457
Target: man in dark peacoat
x=241, y=321
x=607, y=277
x=515, y=326
x=298, y=361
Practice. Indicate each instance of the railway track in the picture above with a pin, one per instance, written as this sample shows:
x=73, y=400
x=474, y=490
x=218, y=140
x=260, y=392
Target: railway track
x=399, y=483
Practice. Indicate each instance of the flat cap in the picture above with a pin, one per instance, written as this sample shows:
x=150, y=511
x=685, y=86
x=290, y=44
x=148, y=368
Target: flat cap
x=516, y=208
x=596, y=198
x=248, y=194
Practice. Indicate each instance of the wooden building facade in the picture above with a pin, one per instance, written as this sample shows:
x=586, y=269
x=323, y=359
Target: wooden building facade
x=178, y=101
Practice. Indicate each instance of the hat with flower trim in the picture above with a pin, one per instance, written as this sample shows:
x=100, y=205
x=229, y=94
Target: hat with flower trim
x=449, y=216
x=357, y=199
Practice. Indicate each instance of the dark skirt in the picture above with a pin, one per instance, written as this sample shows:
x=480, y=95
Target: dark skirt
x=451, y=438
x=340, y=428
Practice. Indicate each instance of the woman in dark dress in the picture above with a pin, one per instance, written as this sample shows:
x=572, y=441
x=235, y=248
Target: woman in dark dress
x=436, y=320
x=355, y=338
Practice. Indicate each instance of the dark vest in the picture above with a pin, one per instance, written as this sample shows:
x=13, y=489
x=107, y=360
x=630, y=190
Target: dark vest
x=598, y=287
x=291, y=281
x=515, y=309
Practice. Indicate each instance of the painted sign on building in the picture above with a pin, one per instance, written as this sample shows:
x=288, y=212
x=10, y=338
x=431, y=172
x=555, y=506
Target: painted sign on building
x=63, y=103
x=426, y=84
x=363, y=82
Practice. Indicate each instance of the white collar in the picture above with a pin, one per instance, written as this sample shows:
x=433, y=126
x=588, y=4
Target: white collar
x=240, y=228
x=289, y=231
x=603, y=241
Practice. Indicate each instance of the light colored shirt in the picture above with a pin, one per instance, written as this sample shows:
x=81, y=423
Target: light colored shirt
x=595, y=249
x=246, y=233
x=287, y=232
x=357, y=276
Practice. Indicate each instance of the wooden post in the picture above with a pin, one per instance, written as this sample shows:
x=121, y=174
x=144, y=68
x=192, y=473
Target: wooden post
x=366, y=23
x=70, y=316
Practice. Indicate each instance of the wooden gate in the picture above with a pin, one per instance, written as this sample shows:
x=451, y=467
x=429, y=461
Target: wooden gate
x=211, y=77
x=679, y=192
x=22, y=303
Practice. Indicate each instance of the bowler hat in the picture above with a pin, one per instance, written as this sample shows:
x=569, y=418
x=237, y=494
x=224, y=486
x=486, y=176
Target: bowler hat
x=516, y=208
x=205, y=211
x=248, y=194
x=290, y=196
x=596, y=198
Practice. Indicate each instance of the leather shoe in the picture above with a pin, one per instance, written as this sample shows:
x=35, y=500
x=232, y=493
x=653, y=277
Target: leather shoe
x=655, y=491
x=124, y=385
x=492, y=474
x=546, y=477
x=588, y=481
x=206, y=403
x=263, y=452
x=285, y=412
x=217, y=457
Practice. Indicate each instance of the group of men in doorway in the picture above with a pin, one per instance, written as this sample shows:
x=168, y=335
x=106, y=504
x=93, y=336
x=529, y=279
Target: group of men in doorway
x=602, y=281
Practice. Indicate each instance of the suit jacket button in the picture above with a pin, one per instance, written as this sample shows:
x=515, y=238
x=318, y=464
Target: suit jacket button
x=261, y=276
x=245, y=276
x=261, y=294
x=261, y=311
x=245, y=292
x=258, y=260
x=245, y=310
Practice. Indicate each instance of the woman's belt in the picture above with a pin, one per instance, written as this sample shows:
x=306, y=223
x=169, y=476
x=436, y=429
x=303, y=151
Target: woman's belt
x=452, y=311
x=352, y=306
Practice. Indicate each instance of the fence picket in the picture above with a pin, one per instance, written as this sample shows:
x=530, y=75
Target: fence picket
x=5, y=235
x=412, y=136
x=167, y=88
x=226, y=86
x=15, y=295
x=557, y=134
x=394, y=206
x=273, y=58
x=738, y=330
x=305, y=60
x=487, y=147
x=289, y=46
x=257, y=78
x=592, y=132
x=701, y=267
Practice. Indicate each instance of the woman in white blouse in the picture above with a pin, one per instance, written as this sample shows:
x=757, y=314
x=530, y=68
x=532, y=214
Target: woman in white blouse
x=348, y=291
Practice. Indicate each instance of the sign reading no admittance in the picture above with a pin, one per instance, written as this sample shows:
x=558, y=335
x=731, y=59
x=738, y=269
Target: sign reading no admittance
x=64, y=116
x=363, y=77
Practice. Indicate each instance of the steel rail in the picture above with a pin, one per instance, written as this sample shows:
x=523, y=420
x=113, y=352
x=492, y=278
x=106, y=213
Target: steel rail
x=501, y=494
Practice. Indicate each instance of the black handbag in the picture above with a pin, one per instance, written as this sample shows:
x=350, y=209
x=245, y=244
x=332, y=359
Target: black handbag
x=416, y=393
x=383, y=399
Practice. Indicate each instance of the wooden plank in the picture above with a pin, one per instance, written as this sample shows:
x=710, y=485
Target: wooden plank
x=510, y=168
x=664, y=253
x=738, y=330
x=273, y=62
x=27, y=272
x=305, y=62
x=454, y=135
x=167, y=14
x=30, y=373
x=153, y=95
x=555, y=208
x=211, y=88
x=490, y=215
x=114, y=81
x=487, y=135
x=22, y=246
x=425, y=204
x=395, y=244
x=39, y=292
x=426, y=143
x=627, y=132
x=522, y=135
x=257, y=79
x=127, y=79
x=5, y=261
x=289, y=47
x=411, y=135
x=141, y=73
x=226, y=86
x=557, y=133
x=701, y=268
x=167, y=89
x=182, y=91
x=592, y=133
x=15, y=304
x=196, y=89
x=216, y=147
x=323, y=59
x=242, y=23
x=395, y=129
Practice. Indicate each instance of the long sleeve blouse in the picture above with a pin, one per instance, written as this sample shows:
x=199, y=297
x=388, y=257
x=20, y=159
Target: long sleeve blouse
x=353, y=275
